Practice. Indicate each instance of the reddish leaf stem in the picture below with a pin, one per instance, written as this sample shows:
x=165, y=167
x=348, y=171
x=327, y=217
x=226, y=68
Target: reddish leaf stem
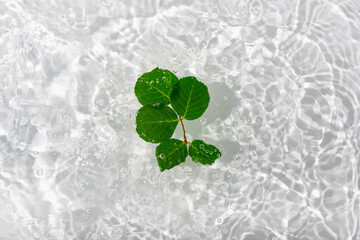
x=182, y=125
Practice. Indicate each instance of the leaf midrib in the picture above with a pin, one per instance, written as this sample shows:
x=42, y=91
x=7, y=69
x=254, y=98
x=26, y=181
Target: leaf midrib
x=204, y=156
x=188, y=101
x=158, y=90
x=176, y=149
x=175, y=120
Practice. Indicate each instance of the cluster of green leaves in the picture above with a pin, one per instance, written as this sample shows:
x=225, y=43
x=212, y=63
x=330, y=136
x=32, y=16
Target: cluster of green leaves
x=156, y=121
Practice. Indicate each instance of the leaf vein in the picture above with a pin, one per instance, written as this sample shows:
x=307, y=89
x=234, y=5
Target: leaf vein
x=158, y=90
x=176, y=149
x=188, y=101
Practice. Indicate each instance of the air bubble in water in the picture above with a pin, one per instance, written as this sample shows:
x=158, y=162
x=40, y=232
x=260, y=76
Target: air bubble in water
x=34, y=154
x=39, y=172
x=219, y=220
x=22, y=146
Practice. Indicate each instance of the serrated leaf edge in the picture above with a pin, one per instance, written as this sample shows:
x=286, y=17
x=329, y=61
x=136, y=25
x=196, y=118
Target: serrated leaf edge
x=187, y=153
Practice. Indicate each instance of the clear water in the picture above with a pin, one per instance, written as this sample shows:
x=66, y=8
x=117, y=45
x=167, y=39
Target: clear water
x=284, y=80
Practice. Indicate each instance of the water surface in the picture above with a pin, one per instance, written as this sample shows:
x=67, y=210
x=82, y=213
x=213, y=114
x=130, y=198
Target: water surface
x=284, y=83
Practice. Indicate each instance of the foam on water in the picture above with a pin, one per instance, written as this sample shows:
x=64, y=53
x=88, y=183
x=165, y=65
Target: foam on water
x=285, y=97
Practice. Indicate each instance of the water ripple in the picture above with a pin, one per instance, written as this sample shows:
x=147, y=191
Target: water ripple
x=284, y=110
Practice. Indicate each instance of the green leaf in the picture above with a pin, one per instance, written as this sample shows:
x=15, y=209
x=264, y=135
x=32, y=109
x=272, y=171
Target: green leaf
x=190, y=98
x=171, y=153
x=155, y=86
x=156, y=123
x=203, y=153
